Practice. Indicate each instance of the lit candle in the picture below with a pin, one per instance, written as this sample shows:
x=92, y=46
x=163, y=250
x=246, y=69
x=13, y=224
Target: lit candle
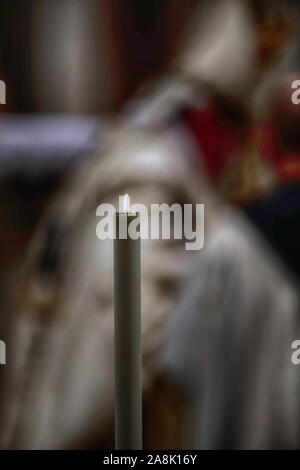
x=128, y=350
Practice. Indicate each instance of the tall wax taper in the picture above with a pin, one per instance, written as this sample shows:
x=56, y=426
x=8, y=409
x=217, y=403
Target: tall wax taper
x=127, y=323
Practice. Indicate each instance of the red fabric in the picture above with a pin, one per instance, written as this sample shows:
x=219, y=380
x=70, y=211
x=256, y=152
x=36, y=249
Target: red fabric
x=285, y=164
x=218, y=140
x=220, y=143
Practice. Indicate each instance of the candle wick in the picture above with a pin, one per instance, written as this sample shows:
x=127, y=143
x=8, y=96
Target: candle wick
x=126, y=203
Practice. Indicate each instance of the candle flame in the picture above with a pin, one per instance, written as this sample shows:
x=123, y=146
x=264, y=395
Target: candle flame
x=125, y=205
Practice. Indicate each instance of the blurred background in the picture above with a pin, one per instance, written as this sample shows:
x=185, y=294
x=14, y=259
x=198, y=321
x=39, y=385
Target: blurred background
x=183, y=101
x=85, y=57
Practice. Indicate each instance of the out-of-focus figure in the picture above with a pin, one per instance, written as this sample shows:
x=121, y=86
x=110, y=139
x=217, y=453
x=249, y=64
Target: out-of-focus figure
x=175, y=144
x=230, y=344
x=231, y=335
x=232, y=332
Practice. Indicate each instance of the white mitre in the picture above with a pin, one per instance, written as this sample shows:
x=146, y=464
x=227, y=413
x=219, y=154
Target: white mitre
x=221, y=48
